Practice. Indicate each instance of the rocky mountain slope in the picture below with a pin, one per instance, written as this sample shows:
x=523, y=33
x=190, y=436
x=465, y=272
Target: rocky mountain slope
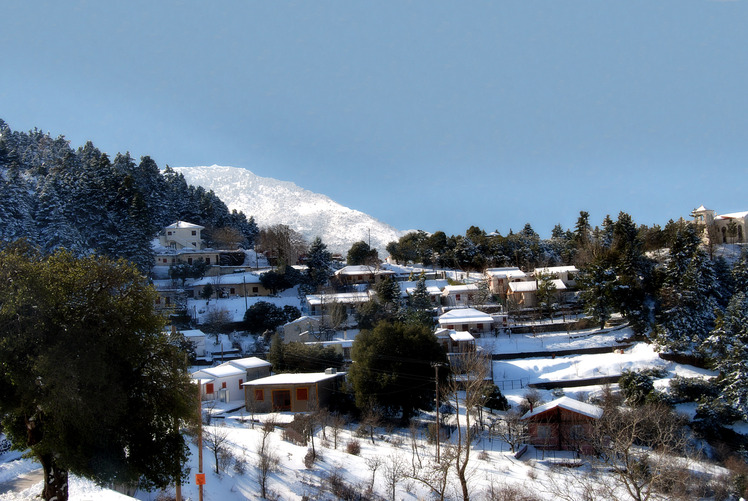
x=271, y=201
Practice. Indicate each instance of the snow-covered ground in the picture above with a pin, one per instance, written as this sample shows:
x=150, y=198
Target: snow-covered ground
x=492, y=463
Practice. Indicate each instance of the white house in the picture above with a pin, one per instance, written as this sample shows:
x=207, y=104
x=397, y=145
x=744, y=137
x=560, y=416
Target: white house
x=459, y=295
x=224, y=382
x=466, y=319
x=729, y=228
x=302, y=329
x=499, y=278
x=524, y=294
x=318, y=304
x=182, y=235
x=362, y=274
x=197, y=338
x=567, y=274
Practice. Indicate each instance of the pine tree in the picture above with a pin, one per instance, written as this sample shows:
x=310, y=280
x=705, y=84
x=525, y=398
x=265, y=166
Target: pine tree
x=728, y=348
x=319, y=264
x=420, y=299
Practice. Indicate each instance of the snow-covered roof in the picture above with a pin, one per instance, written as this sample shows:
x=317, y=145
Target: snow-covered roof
x=301, y=378
x=249, y=363
x=341, y=297
x=465, y=315
x=457, y=289
x=184, y=224
x=733, y=215
x=363, y=269
x=509, y=272
x=223, y=370
x=193, y=333
x=701, y=209
x=569, y=404
x=556, y=269
x=532, y=285
x=461, y=336
x=229, y=279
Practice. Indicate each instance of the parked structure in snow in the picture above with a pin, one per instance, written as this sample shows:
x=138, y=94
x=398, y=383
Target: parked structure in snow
x=466, y=319
x=224, y=382
x=563, y=424
x=292, y=392
x=726, y=228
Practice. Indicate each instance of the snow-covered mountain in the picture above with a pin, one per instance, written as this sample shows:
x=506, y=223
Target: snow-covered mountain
x=271, y=201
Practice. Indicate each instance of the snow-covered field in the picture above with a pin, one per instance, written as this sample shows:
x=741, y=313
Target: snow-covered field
x=492, y=464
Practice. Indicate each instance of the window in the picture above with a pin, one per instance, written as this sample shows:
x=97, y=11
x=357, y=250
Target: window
x=480, y=327
x=189, y=260
x=158, y=300
x=259, y=395
x=457, y=297
x=194, y=232
x=167, y=300
x=255, y=290
x=241, y=382
x=208, y=388
x=302, y=394
x=223, y=384
x=232, y=290
x=544, y=432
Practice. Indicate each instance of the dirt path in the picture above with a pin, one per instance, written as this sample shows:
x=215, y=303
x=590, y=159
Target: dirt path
x=22, y=482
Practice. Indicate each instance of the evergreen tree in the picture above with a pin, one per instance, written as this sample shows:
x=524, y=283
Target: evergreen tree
x=319, y=264
x=728, y=348
x=420, y=298
x=388, y=293
x=688, y=295
x=597, y=285
x=361, y=254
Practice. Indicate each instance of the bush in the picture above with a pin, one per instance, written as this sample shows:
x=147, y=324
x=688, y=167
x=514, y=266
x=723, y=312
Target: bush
x=353, y=447
x=294, y=436
x=635, y=386
x=691, y=389
x=309, y=458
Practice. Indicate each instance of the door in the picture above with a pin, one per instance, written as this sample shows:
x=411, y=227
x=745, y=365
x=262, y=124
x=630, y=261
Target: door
x=282, y=400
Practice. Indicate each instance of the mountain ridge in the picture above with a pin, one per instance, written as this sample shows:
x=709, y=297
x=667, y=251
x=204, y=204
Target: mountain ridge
x=272, y=201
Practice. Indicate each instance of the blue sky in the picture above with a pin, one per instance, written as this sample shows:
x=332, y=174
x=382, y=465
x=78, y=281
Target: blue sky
x=425, y=114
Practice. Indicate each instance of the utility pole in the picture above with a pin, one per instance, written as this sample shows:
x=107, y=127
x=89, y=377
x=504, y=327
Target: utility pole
x=436, y=366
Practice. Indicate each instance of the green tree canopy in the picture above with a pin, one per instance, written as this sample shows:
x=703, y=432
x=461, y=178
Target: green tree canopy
x=360, y=253
x=263, y=316
x=90, y=383
x=393, y=368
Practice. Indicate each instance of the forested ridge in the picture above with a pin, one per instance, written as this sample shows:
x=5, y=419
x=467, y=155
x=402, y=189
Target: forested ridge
x=55, y=197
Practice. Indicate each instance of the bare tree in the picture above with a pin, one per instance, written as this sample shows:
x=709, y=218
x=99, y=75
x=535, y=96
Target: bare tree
x=338, y=422
x=638, y=446
x=474, y=372
x=435, y=475
x=373, y=463
x=394, y=471
x=268, y=460
x=281, y=243
x=215, y=440
x=511, y=429
x=415, y=457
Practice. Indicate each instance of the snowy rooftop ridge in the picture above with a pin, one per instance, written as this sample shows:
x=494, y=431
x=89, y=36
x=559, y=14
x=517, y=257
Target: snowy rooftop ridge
x=569, y=404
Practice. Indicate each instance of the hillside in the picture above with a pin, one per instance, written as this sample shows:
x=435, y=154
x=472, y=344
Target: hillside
x=271, y=201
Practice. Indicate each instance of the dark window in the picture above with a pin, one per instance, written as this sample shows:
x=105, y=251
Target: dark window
x=223, y=385
x=302, y=394
x=282, y=400
x=241, y=381
x=208, y=387
x=259, y=395
x=194, y=232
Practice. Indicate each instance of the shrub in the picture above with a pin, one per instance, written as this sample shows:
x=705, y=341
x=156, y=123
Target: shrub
x=691, y=389
x=635, y=386
x=353, y=447
x=309, y=458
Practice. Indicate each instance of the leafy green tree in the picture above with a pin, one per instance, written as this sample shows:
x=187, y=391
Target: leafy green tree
x=278, y=281
x=90, y=383
x=263, y=316
x=207, y=291
x=393, y=368
x=361, y=254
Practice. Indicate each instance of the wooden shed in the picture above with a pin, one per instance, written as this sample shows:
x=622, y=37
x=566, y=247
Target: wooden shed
x=292, y=392
x=563, y=424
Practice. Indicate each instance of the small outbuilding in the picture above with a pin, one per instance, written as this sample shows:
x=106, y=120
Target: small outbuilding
x=563, y=424
x=293, y=392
